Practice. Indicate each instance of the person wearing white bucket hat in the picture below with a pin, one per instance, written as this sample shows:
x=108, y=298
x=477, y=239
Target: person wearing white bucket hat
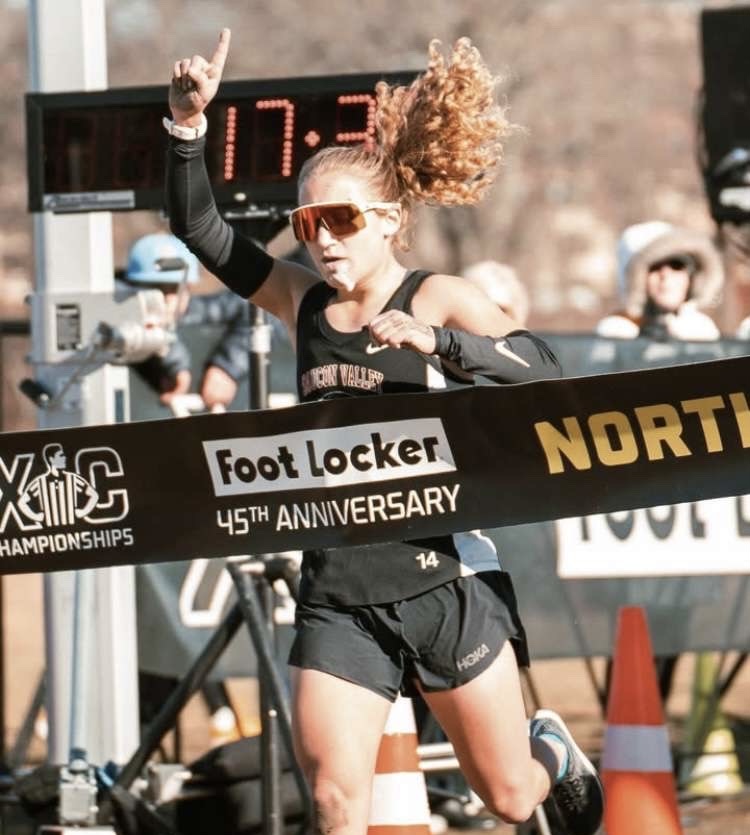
x=667, y=276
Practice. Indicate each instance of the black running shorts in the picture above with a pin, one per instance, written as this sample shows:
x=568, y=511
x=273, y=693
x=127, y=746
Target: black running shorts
x=444, y=637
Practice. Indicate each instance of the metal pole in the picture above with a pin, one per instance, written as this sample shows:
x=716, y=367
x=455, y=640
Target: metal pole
x=3, y=757
x=73, y=253
x=258, y=392
x=270, y=754
x=83, y=599
x=260, y=363
x=251, y=609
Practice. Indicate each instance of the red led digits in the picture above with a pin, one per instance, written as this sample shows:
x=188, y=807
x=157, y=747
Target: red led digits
x=230, y=144
x=94, y=142
x=361, y=100
x=287, y=130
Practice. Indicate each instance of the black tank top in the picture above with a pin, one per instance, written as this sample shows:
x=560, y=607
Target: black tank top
x=330, y=364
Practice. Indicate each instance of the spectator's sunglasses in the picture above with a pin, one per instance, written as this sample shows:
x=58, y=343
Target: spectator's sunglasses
x=676, y=262
x=340, y=219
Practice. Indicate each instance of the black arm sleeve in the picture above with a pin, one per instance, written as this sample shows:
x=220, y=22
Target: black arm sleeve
x=193, y=217
x=518, y=357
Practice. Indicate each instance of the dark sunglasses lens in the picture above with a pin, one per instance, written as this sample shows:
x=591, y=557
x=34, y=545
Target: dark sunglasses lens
x=305, y=224
x=339, y=219
x=673, y=264
x=343, y=219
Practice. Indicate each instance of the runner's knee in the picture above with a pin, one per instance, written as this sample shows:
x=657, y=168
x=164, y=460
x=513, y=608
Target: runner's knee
x=332, y=803
x=510, y=800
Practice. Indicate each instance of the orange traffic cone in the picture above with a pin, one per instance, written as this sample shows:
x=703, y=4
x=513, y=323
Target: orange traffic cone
x=399, y=793
x=639, y=784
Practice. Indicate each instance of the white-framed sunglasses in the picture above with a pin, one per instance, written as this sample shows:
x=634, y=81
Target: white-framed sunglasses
x=339, y=218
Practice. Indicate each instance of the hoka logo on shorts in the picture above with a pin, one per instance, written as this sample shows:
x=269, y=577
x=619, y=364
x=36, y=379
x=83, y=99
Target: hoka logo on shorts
x=50, y=504
x=363, y=453
x=473, y=657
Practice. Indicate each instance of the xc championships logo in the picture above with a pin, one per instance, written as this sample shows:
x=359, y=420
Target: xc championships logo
x=57, y=497
x=51, y=501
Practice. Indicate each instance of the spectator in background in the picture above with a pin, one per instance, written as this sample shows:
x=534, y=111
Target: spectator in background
x=501, y=283
x=666, y=275
x=163, y=262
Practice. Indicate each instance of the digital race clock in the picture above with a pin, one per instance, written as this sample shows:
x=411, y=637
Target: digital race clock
x=104, y=150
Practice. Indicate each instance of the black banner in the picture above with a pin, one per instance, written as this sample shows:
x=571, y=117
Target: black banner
x=372, y=469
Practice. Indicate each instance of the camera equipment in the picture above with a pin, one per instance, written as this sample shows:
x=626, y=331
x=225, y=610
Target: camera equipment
x=86, y=330
x=282, y=796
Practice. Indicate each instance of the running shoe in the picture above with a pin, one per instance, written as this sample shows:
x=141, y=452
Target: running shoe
x=578, y=795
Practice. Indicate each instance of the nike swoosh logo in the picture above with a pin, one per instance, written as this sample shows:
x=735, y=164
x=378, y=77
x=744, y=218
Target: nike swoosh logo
x=373, y=349
x=502, y=348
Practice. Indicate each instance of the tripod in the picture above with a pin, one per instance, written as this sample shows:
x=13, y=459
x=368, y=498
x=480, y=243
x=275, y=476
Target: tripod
x=248, y=577
x=253, y=580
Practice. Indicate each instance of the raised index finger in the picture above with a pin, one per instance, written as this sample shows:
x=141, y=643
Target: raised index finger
x=220, y=56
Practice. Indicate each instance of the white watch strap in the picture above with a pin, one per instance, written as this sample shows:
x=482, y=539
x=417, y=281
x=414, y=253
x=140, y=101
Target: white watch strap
x=184, y=132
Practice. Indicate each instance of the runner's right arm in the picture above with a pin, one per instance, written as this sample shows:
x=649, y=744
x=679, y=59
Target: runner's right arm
x=235, y=259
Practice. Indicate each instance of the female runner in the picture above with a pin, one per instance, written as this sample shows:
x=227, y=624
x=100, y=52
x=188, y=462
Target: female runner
x=437, y=615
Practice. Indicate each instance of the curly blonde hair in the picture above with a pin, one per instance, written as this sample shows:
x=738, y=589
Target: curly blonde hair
x=439, y=140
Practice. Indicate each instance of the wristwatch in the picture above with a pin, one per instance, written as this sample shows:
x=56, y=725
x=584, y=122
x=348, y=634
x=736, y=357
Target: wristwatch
x=185, y=132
